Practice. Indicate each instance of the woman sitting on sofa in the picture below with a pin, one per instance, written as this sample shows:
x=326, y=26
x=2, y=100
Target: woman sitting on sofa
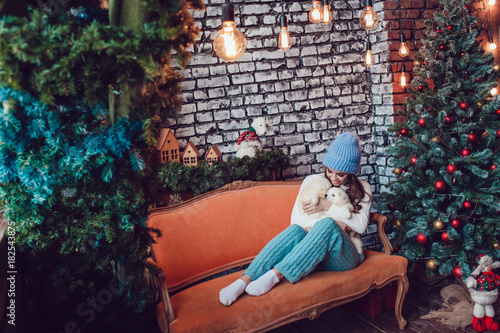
x=295, y=252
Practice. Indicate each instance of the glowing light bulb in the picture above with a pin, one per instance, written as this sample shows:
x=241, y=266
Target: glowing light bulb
x=493, y=91
x=316, y=13
x=368, y=55
x=327, y=15
x=229, y=42
x=368, y=58
x=492, y=2
x=369, y=18
x=404, y=77
x=493, y=46
x=284, y=41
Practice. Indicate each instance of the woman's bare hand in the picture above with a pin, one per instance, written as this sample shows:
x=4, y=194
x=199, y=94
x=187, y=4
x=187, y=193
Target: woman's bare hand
x=323, y=205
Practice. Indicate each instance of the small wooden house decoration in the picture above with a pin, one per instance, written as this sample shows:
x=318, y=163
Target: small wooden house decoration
x=213, y=155
x=168, y=146
x=190, y=155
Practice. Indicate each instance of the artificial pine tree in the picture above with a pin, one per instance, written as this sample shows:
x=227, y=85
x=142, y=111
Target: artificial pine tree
x=77, y=178
x=445, y=200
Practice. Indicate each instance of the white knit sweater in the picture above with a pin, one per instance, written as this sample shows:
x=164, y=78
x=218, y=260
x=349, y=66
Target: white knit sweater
x=358, y=222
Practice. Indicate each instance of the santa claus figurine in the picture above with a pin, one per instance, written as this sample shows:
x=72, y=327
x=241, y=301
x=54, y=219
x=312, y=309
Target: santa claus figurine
x=483, y=287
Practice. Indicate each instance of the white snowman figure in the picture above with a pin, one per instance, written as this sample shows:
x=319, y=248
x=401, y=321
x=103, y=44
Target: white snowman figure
x=483, y=287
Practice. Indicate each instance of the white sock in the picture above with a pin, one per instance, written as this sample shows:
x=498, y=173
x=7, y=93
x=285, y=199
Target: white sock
x=228, y=295
x=263, y=284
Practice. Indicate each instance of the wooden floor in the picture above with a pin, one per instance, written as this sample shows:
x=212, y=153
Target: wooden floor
x=421, y=298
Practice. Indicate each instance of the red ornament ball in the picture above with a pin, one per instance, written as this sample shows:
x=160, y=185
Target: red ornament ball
x=448, y=119
x=457, y=271
x=440, y=185
x=421, y=239
x=442, y=47
x=413, y=160
x=463, y=105
x=498, y=133
x=420, y=88
x=445, y=237
x=455, y=223
x=404, y=132
x=422, y=123
x=449, y=27
x=473, y=137
x=451, y=168
x=492, y=166
x=466, y=152
x=438, y=30
x=467, y=204
x=498, y=112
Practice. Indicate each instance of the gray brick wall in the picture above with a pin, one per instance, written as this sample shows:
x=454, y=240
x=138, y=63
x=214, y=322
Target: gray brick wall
x=316, y=90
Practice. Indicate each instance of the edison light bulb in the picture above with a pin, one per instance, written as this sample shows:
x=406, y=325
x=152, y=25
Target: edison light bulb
x=284, y=41
x=404, y=76
x=368, y=55
x=493, y=91
x=229, y=43
x=368, y=58
x=316, y=13
x=493, y=46
x=403, y=50
x=492, y=2
x=327, y=15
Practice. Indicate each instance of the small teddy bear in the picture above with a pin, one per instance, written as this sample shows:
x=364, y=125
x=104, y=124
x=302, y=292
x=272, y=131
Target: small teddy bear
x=483, y=288
x=249, y=142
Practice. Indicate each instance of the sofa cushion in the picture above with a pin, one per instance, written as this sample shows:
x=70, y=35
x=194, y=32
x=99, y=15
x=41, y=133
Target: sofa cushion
x=197, y=309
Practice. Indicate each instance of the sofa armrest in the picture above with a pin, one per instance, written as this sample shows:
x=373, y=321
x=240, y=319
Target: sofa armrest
x=381, y=220
x=161, y=285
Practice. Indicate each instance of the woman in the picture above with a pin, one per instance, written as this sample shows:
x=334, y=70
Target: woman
x=295, y=252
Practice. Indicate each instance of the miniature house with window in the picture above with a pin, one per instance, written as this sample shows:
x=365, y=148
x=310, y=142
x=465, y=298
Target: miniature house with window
x=213, y=155
x=167, y=146
x=190, y=155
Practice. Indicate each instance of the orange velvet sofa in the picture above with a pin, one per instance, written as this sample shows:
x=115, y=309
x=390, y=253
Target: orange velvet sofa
x=205, y=237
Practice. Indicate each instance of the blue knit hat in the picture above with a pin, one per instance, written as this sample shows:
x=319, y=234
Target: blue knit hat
x=343, y=154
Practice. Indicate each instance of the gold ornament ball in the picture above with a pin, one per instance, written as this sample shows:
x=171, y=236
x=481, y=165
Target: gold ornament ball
x=496, y=246
x=398, y=223
x=435, y=139
x=397, y=171
x=431, y=263
x=438, y=224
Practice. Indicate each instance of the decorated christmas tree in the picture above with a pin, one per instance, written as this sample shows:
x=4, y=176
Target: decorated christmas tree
x=83, y=88
x=445, y=200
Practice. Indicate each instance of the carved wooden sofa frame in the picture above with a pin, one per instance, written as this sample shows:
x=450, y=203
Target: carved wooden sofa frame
x=223, y=230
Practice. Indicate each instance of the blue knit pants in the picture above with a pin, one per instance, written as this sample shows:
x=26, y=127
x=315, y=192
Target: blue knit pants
x=295, y=252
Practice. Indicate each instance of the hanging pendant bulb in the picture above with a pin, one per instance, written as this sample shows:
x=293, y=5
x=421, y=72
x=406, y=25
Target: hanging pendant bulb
x=229, y=43
x=404, y=76
x=369, y=18
x=492, y=45
x=316, y=12
x=491, y=2
x=494, y=91
x=368, y=55
x=327, y=15
x=284, y=41
x=403, y=48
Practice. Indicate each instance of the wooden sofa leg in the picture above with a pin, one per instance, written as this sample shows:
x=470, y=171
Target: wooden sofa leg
x=403, y=286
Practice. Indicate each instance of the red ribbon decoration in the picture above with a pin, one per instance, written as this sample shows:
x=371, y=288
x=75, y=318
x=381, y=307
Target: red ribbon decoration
x=493, y=275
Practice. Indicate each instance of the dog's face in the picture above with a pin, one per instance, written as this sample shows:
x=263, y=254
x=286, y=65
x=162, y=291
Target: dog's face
x=337, y=196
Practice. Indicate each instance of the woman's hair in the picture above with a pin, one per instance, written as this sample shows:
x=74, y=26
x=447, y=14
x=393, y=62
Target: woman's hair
x=355, y=190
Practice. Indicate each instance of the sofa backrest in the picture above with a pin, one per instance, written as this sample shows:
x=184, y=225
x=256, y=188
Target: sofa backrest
x=221, y=229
